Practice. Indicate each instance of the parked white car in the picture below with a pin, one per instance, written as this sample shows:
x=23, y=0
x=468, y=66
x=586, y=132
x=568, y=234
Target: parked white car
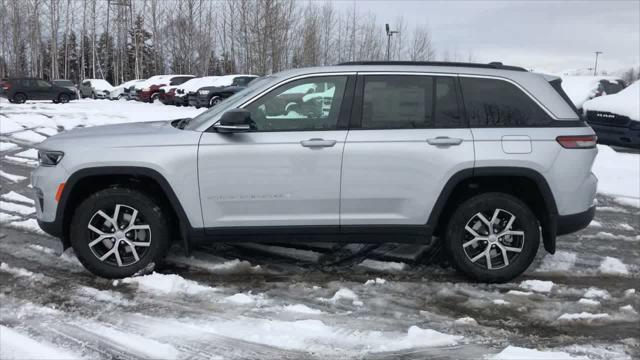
x=95, y=88
x=121, y=90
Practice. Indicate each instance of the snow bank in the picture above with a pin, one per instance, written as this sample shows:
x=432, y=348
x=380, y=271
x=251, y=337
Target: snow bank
x=561, y=261
x=595, y=293
x=315, y=336
x=14, y=345
x=613, y=266
x=14, y=196
x=167, y=284
x=384, y=266
x=243, y=299
x=617, y=173
x=16, y=208
x=6, y=146
x=537, y=285
x=583, y=316
x=344, y=294
x=302, y=309
x=376, y=281
x=142, y=346
x=589, y=302
x=11, y=177
x=518, y=353
x=626, y=102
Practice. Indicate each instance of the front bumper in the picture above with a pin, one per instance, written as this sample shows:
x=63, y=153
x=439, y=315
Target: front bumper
x=617, y=136
x=199, y=100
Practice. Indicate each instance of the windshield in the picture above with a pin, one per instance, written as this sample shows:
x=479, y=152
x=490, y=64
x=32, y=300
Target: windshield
x=230, y=102
x=63, y=82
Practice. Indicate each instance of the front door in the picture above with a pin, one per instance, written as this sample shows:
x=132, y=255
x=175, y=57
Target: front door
x=286, y=170
x=408, y=138
x=42, y=90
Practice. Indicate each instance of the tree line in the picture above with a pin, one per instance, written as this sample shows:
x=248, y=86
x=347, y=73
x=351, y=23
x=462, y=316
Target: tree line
x=119, y=40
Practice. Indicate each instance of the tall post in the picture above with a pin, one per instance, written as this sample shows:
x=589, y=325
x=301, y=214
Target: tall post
x=595, y=66
x=389, y=34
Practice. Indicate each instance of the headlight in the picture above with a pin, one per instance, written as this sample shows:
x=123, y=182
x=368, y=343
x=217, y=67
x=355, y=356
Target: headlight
x=203, y=92
x=49, y=158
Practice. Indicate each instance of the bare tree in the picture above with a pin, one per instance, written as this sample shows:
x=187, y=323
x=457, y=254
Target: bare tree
x=421, y=48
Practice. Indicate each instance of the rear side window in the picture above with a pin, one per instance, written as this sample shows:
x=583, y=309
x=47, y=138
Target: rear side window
x=497, y=103
x=410, y=102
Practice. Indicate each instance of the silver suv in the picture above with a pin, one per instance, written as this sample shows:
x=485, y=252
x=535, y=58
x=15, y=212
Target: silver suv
x=488, y=158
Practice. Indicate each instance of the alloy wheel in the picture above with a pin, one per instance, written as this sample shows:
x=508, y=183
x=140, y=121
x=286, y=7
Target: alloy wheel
x=120, y=239
x=493, y=240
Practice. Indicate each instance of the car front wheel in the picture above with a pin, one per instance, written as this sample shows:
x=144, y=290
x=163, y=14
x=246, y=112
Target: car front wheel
x=19, y=98
x=118, y=231
x=63, y=98
x=492, y=237
x=215, y=101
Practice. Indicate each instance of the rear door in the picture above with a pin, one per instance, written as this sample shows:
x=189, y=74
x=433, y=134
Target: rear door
x=408, y=137
x=41, y=90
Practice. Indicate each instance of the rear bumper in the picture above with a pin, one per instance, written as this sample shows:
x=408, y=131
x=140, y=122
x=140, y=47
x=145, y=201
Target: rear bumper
x=619, y=136
x=567, y=224
x=144, y=96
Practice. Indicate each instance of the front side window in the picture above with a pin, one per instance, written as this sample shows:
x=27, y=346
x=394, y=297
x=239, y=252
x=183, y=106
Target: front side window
x=410, y=102
x=498, y=103
x=42, y=84
x=302, y=105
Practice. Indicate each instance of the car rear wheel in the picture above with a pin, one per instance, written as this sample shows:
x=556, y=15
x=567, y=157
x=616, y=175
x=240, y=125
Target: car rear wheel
x=63, y=98
x=153, y=98
x=19, y=98
x=492, y=237
x=117, y=232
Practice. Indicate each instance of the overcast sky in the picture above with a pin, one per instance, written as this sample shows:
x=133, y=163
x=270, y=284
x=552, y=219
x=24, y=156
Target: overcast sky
x=543, y=34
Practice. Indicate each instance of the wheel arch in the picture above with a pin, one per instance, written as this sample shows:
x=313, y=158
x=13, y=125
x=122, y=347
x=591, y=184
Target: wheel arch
x=525, y=183
x=85, y=182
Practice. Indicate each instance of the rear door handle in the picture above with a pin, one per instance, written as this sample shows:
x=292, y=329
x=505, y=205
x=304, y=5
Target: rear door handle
x=316, y=142
x=444, y=141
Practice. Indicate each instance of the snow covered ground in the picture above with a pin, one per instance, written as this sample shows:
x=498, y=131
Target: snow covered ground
x=314, y=300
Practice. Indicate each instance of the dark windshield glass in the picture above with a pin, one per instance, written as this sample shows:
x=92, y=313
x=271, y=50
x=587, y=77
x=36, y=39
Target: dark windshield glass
x=63, y=82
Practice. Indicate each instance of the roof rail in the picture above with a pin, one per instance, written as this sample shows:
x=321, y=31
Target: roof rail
x=491, y=65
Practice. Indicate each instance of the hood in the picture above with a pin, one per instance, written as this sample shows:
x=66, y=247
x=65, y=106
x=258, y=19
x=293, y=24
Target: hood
x=120, y=135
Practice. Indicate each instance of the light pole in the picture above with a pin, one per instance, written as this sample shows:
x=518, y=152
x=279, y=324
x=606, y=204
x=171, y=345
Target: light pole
x=389, y=34
x=595, y=67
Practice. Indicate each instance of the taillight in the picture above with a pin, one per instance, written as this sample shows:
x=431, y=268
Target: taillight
x=6, y=86
x=577, y=142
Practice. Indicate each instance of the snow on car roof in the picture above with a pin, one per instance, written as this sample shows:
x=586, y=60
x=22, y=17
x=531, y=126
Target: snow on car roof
x=195, y=84
x=624, y=103
x=100, y=84
x=582, y=88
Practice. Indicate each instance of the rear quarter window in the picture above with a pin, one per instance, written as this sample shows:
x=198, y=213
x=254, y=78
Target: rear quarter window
x=498, y=103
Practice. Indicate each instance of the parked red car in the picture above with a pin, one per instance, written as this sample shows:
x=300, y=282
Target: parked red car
x=151, y=92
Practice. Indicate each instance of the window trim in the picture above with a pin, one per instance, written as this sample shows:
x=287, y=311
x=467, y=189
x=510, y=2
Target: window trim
x=345, y=107
x=525, y=91
x=356, y=114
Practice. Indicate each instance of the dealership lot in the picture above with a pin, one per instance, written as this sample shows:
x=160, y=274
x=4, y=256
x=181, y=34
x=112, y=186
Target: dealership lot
x=309, y=300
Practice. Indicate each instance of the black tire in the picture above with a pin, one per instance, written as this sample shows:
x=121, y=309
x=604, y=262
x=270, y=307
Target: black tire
x=63, y=98
x=153, y=97
x=214, y=101
x=149, y=212
x=502, y=270
x=19, y=98
x=93, y=96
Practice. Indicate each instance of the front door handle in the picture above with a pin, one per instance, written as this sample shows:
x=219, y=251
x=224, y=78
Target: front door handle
x=444, y=141
x=315, y=142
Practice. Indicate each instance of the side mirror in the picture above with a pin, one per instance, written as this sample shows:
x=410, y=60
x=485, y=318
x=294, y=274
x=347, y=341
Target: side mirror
x=235, y=120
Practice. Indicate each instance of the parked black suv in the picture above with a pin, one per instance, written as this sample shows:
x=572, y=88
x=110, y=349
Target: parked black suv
x=209, y=96
x=20, y=90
